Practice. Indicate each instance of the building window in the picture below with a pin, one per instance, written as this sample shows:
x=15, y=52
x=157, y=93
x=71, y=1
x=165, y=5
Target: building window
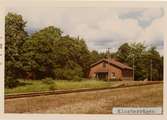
x=104, y=64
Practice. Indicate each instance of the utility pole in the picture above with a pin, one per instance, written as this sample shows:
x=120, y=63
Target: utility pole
x=133, y=68
x=108, y=53
x=151, y=69
x=108, y=57
x=133, y=60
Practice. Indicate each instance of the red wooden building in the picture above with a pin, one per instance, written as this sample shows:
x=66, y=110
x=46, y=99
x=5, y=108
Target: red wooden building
x=110, y=70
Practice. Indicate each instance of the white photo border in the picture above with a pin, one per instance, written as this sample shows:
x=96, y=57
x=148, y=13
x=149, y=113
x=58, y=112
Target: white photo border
x=82, y=116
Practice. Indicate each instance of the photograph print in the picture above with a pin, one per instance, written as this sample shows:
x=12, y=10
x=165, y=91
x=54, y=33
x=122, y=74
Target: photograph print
x=83, y=60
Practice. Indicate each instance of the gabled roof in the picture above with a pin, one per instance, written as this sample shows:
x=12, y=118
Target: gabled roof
x=113, y=62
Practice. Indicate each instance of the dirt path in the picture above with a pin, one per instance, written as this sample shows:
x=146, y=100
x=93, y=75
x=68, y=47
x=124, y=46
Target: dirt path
x=95, y=102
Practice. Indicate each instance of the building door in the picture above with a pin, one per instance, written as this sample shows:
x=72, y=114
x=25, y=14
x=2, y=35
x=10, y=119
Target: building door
x=102, y=75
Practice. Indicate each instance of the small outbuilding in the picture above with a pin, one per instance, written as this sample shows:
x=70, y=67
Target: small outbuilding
x=110, y=69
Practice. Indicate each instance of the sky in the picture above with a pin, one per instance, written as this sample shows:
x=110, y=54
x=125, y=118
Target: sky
x=101, y=28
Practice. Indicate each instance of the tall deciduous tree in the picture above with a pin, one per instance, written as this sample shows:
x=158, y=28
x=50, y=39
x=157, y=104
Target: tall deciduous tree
x=73, y=55
x=15, y=36
x=39, y=53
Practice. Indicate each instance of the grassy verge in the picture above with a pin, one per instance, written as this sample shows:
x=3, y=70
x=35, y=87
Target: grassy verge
x=38, y=86
x=45, y=85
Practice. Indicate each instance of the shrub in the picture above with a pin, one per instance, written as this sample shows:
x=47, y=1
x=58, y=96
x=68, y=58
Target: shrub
x=68, y=73
x=77, y=78
x=48, y=81
x=52, y=87
x=11, y=83
x=71, y=74
x=58, y=73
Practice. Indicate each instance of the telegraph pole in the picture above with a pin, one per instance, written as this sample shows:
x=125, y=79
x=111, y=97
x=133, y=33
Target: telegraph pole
x=133, y=68
x=151, y=69
x=133, y=60
x=109, y=53
x=108, y=63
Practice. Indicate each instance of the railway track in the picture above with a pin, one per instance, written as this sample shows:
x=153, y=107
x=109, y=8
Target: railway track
x=55, y=92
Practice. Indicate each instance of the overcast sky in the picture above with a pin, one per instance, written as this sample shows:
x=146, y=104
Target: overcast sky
x=100, y=27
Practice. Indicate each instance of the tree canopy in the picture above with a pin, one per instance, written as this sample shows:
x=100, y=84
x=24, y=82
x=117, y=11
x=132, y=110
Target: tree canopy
x=143, y=60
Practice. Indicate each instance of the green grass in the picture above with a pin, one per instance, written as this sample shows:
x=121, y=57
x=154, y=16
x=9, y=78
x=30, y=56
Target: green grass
x=38, y=86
